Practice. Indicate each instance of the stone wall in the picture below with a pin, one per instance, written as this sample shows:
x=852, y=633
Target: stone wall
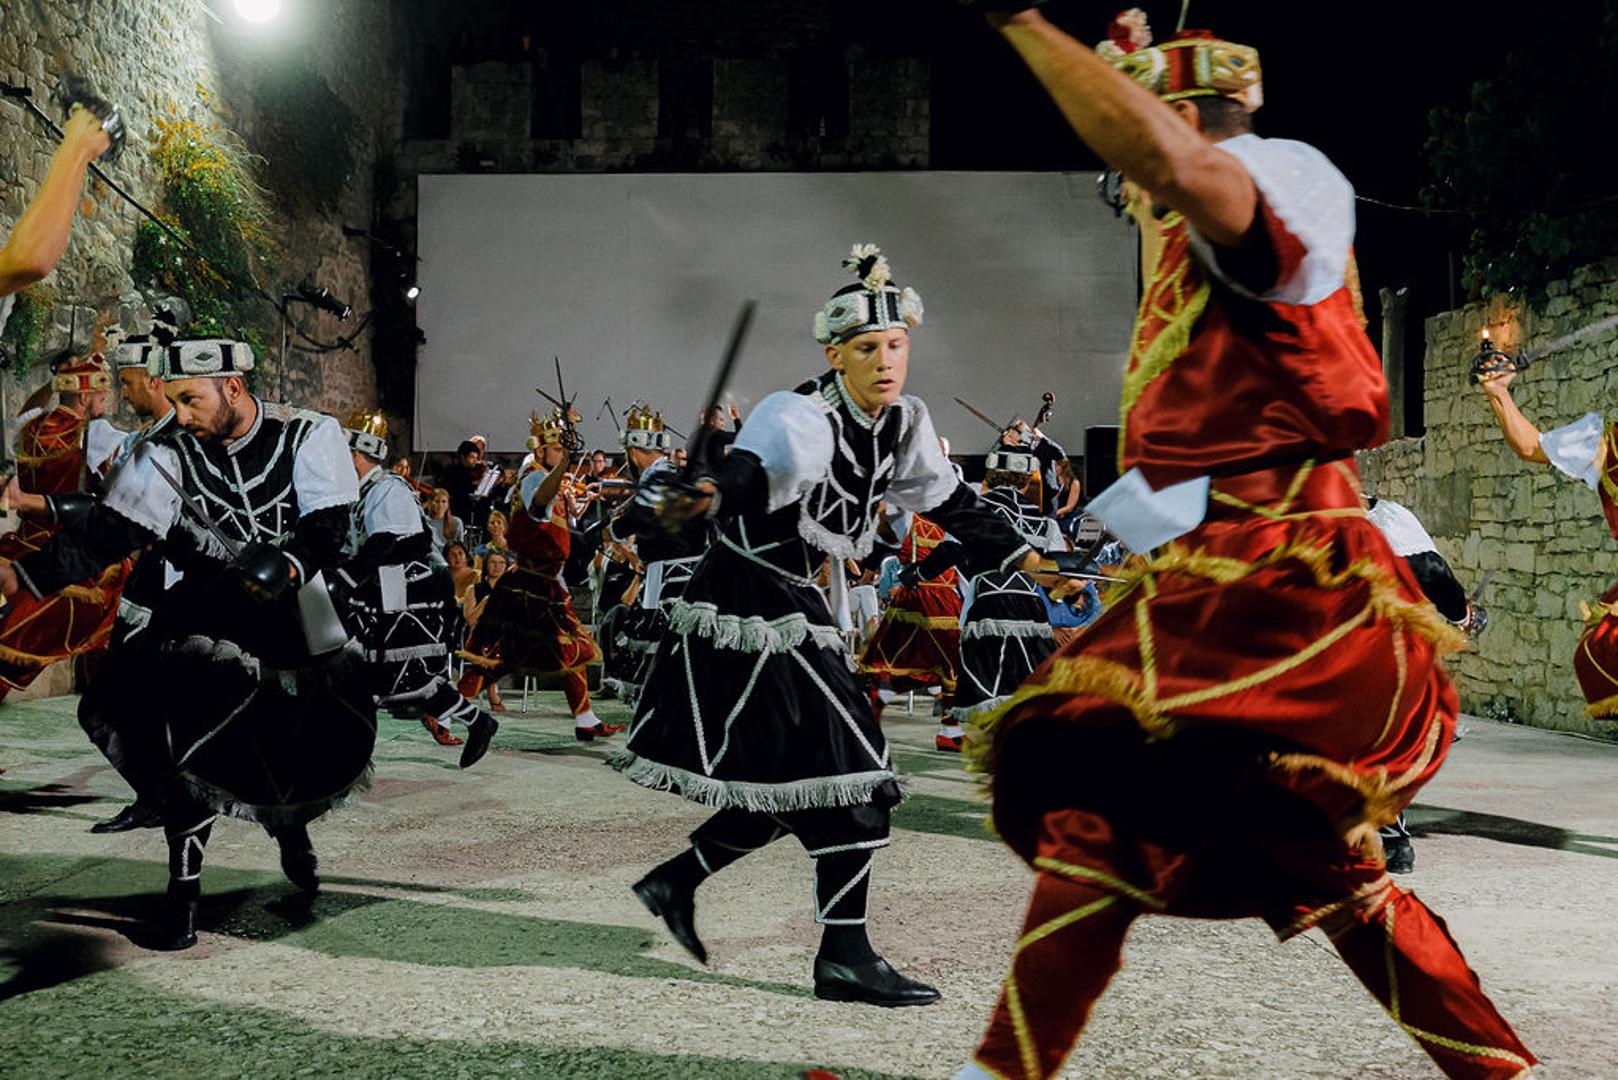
x=1539, y=533
x=318, y=79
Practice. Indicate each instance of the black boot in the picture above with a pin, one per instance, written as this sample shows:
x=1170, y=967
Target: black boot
x=873, y=983
x=140, y=814
x=670, y=892
x=298, y=860
x=178, y=927
x=478, y=734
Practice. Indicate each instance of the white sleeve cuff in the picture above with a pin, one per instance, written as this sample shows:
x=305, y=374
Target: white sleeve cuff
x=1575, y=448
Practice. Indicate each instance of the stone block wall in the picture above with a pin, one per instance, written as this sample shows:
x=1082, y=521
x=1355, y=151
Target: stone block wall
x=1540, y=534
x=168, y=58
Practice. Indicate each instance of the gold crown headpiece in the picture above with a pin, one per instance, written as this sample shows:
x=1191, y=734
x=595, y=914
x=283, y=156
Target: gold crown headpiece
x=545, y=429
x=367, y=432
x=644, y=430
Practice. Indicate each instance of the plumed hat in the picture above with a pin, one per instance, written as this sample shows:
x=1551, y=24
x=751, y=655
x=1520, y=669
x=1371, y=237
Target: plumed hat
x=873, y=303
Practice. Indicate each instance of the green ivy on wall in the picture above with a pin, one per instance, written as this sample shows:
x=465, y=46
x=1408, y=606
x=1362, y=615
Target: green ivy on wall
x=210, y=197
x=26, y=326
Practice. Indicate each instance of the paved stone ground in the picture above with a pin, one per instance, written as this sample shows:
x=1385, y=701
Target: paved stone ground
x=480, y=924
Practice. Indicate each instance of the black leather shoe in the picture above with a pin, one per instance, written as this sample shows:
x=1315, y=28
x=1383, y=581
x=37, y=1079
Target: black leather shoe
x=478, y=735
x=677, y=909
x=875, y=983
x=137, y=815
x=1400, y=855
x=178, y=928
x=298, y=860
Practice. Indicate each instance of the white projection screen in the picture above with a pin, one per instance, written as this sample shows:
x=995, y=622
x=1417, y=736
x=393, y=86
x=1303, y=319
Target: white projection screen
x=634, y=280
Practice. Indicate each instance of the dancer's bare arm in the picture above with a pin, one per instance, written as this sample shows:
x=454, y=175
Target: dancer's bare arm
x=40, y=236
x=1151, y=143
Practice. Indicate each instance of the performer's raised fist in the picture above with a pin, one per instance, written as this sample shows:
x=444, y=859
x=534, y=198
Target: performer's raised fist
x=84, y=135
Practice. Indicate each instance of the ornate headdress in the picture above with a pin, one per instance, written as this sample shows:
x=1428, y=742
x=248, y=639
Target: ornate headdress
x=643, y=430
x=875, y=303
x=82, y=375
x=130, y=352
x=1006, y=460
x=1191, y=63
x=546, y=429
x=200, y=358
x=367, y=432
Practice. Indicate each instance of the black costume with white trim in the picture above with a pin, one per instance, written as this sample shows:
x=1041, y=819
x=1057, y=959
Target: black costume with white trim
x=399, y=600
x=1005, y=629
x=268, y=730
x=670, y=559
x=751, y=706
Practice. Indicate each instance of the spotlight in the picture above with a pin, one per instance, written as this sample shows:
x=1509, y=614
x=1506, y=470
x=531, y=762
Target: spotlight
x=258, y=10
x=412, y=292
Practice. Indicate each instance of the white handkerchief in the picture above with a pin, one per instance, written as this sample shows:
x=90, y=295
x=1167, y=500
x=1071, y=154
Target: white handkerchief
x=1143, y=518
x=392, y=580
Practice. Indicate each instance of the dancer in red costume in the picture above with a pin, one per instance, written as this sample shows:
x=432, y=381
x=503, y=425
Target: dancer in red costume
x=1587, y=450
x=1266, y=690
x=918, y=641
x=60, y=452
x=529, y=626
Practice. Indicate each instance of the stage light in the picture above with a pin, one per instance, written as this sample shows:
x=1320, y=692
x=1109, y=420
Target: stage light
x=412, y=292
x=258, y=10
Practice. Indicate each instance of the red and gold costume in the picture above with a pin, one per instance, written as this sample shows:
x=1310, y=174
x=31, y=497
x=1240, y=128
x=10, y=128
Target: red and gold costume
x=529, y=626
x=1595, y=662
x=1265, y=690
x=51, y=461
x=919, y=637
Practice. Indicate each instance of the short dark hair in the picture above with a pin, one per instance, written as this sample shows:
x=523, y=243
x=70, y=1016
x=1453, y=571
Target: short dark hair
x=1223, y=116
x=467, y=447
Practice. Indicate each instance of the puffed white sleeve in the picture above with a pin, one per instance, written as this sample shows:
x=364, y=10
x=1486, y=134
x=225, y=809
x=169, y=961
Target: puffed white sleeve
x=792, y=439
x=101, y=443
x=136, y=490
x=391, y=507
x=323, y=469
x=1575, y=448
x=1307, y=206
x=922, y=476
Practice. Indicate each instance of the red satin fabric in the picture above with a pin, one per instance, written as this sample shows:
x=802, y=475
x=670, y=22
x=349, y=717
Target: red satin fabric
x=1258, y=382
x=1072, y=938
x=38, y=633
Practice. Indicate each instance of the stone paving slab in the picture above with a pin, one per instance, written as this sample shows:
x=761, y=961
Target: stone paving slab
x=480, y=924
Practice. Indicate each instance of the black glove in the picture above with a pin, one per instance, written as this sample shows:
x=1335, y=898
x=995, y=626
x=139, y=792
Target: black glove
x=910, y=575
x=69, y=508
x=263, y=571
x=669, y=498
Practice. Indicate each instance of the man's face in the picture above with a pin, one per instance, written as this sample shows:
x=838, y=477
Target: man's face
x=469, y=458
x=552, y=454
x=678, y=457
x=95, y=403
x=362, y=464
x=207, y=408
x=641, y=458
x=874, y=365
x=598, y=463
x=139, y=389
x=493, y=566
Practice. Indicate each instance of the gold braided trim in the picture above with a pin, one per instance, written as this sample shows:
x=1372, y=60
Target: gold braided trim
x=27, y=659
x=1085, y=873
x=87, y=593
x=916, y=618
x=1072, y=676
x=1153, y=359
x=1368, y=897
x=1378, y=788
